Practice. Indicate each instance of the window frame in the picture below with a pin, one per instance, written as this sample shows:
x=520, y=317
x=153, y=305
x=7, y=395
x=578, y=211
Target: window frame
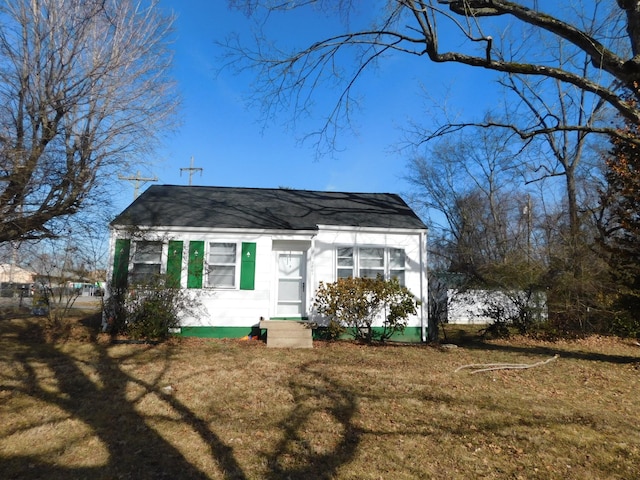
x=210, y=266
x=142, y=278
x=387, y=270
x=391, y=269
x=371, y=257
x=346, y=267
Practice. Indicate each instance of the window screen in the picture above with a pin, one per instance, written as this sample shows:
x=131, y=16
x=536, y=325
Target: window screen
x=222, y=265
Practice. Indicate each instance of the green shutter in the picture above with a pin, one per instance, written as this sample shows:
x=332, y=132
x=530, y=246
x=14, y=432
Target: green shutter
x=174, y=264
x=121, y=263
x=196, y=262
x=248, y=266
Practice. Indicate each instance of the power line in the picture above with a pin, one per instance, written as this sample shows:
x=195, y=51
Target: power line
x=191, y=169
x=137, y=179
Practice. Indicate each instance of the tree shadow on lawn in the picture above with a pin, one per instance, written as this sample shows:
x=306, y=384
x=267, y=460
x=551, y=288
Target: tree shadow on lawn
x=101, y=398
x=474, y=341
x=14, y=312
x=318, y=399
x=134, y=449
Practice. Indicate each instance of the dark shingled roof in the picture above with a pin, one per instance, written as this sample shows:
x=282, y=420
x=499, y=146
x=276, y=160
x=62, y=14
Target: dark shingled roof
x=277, y=208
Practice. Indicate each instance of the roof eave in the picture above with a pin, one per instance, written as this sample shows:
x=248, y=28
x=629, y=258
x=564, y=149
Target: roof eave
x=344, y=228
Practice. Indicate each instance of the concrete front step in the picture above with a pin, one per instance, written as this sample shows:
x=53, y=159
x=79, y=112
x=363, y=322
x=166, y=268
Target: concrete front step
x=288, y=333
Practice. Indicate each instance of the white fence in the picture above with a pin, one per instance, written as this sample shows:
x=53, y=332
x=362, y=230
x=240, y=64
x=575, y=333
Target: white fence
x=475, y=306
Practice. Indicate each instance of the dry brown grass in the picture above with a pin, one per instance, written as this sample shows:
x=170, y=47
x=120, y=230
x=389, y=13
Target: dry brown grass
x=232, y=409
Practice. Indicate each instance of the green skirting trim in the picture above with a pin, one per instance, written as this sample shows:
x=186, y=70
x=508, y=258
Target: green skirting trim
x=289, y=318
x=410, y=334
x=219, y=332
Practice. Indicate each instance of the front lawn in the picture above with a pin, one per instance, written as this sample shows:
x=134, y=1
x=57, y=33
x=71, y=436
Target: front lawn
x=87, y=408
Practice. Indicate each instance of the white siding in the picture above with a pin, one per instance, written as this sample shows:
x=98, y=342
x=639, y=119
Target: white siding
x=234, y=307
x=328, y=240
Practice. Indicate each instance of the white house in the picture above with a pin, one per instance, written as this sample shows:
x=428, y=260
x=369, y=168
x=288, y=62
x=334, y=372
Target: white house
x=255, y=254
x=10, y=273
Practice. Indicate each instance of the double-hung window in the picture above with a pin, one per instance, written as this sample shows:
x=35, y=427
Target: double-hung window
x=222, y=264
x=370, y=262
x=147, y=259
x=396, y=264
x=345, y=262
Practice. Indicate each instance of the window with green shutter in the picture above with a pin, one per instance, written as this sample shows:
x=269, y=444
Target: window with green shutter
x=121, y=263
x=221, y=265
x=196, y=264
x=146, y=263
x=174, y=263
x=248, y=266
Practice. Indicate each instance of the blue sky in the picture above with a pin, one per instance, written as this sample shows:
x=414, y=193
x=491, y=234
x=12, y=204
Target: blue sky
x=226, y=137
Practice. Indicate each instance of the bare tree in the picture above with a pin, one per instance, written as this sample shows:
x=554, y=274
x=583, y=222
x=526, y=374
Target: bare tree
x=539, y=104
x=468, y=188
x=560, y=158
x=468, y=32
x=84, y=90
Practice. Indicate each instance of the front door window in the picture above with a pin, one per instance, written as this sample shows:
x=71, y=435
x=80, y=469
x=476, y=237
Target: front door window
x=291, y=284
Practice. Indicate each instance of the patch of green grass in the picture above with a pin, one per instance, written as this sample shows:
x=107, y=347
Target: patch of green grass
x=230, y=409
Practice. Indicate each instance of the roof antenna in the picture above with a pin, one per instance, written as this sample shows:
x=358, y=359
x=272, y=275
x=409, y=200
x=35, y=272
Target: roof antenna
x=191, y=169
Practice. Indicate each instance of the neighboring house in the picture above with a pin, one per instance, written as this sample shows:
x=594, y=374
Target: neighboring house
x=14, y=280
x=254, y=253
x=10, y=273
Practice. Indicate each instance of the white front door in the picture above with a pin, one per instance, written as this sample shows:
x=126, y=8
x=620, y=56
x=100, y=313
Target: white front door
x=291, y=284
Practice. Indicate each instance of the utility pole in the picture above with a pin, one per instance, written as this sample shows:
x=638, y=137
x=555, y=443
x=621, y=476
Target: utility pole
x=191, y=169
x=137, y=179
x=528, y=212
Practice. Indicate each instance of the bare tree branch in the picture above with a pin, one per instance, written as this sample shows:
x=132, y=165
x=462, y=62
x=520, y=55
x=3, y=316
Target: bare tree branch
x=83, y=91
x=422, y=28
